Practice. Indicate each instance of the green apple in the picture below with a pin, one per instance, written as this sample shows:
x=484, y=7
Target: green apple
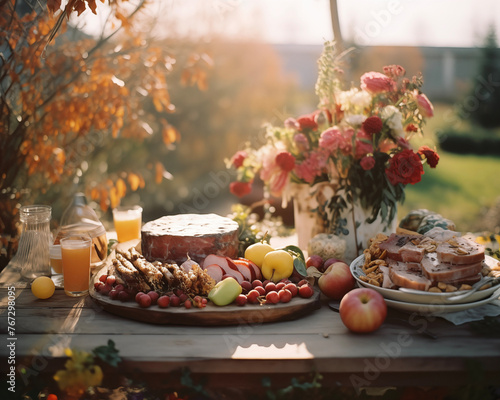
x=277, y=265
x=225, y=292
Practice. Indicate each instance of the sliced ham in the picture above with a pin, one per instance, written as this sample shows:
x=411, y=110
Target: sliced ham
x=411, y=253
x=386, y=282
x=215, y=271
x=226, y=264
x=401, y=275
x=460, y=250
x=245, y=269
x=393, y=245
x=256, y=270
x=439, y=271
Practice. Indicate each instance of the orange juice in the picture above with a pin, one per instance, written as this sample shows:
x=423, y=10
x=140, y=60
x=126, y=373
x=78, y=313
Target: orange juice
x=127, y=221
x=76, y=265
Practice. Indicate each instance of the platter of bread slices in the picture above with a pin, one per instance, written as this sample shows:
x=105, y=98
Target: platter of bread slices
x=432, y=269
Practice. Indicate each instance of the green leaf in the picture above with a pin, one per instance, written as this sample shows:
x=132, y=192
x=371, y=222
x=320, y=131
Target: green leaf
x=295, y=251
x=300, y=266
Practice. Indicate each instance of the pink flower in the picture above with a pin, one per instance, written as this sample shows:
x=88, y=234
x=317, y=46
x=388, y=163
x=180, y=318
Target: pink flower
x=285, y=161
x=375, y=82
x=367, y=163
x=292, y=123
x=278, y=182
x=424, y=105
x=330, y=139
x=238, y=158
x=313, y=166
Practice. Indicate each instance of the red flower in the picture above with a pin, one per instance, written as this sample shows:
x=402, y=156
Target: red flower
x=430, y=155
x=411, y=128
x=394, y=71
x=238, y=158
x=372, y=125
x=285, y=161
x=367, y=163
x=307, y=122
x=375, y=82
x=240, y=189
x=405, y=167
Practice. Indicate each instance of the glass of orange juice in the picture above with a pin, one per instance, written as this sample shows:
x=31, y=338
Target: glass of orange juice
x=76, y=254
x=56, y=264
x=127, y=221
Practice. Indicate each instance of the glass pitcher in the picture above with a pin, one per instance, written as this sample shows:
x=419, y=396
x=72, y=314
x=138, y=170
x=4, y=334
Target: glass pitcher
x=80, y=218
x=32, y=257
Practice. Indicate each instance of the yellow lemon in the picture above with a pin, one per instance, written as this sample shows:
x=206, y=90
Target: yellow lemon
x=43, y=287
x=277, y=265
x=256, y=253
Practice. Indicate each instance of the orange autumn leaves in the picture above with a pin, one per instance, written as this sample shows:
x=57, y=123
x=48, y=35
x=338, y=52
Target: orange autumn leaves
x=65, y=101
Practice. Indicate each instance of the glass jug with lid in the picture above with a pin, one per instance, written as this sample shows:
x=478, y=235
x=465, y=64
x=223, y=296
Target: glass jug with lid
x=80, y=218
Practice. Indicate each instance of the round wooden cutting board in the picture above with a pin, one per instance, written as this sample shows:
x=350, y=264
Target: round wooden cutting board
x=211, y=315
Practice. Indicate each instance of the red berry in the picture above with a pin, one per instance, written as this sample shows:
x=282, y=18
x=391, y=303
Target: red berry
x=123, y=296
x=103, y=278
x=154, y=296
x=204, y=301
x=265, y=282
x=256, y=283
x=119, y=287
x=188, y=304
x=260, y=290
x=144, y=301
x=138, y=295
x=285, y=295
x=183, y=297
x=246, y=286
x=105, y=289
x=270, y=287
x=302, y=282
x=241, y=300
x=113, y=294
x=178, y=292
x=292, y=287
x=306, y=291
x=110, y=280
x=280, y=285
x=175, y=301
x=97, y=286
x=253, y=296
x=163, y=301
x=272, y=297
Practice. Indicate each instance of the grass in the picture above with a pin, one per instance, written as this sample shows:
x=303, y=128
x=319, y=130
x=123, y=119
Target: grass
x=461, y=187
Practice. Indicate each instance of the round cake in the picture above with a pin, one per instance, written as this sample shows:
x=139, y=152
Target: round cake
x=174, y=238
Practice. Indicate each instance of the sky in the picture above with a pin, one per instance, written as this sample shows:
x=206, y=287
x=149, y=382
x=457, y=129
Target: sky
x=455, y=23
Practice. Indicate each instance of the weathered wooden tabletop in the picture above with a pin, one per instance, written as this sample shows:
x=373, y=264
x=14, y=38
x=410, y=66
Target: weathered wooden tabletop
x=396, y=354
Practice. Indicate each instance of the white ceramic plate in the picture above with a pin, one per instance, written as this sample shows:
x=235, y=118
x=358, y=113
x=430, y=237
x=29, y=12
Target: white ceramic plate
x=426, y=309
x=423, y=297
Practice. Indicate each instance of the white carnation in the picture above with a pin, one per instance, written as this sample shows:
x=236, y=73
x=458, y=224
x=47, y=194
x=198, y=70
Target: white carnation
x=355, y=119
x=354, y=100
x=393, y=119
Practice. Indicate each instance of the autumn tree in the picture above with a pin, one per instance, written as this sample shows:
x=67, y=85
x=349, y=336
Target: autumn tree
x=65, y=95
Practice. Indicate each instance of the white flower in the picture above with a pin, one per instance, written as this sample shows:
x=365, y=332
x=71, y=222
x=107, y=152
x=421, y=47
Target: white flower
x=355, y=119
x=393, y=118
x=354, y=100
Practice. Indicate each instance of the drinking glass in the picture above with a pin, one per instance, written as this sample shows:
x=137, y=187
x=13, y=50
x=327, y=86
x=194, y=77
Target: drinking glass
x=56, y=264
x=76, y=254
x=127, y=221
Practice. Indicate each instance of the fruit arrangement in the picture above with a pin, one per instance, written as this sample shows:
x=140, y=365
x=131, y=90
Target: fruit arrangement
x=264, y=276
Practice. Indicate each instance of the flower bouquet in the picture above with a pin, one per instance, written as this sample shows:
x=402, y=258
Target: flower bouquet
x=353, y=151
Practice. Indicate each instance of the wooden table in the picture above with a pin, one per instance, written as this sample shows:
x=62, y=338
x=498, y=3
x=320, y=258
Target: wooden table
x=242, y=355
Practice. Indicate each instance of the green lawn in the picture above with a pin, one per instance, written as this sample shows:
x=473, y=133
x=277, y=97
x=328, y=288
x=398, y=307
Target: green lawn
x=461, y=186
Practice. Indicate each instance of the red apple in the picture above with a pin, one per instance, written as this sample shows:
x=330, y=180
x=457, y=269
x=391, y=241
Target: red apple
x=314, y=261
x=329, y=262
x=363, y=310
x=336, y=281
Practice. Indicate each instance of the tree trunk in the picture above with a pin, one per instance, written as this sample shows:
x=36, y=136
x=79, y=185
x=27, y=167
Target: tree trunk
x=337, y=34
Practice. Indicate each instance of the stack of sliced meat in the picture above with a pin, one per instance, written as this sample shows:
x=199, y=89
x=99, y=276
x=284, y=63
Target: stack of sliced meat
x=419, y=262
